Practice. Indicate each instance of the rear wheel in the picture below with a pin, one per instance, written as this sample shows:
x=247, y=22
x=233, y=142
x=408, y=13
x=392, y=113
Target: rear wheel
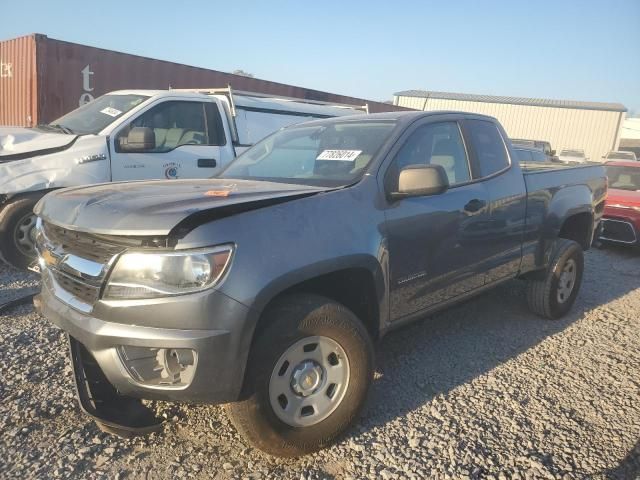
x=307, y=378
x=17, y=232
x=554, y=295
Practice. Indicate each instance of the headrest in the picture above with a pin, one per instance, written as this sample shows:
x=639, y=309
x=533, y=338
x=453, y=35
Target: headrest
x=446, y=146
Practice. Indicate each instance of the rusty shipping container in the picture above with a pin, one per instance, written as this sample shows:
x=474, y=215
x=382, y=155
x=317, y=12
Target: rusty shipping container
x=42, y=78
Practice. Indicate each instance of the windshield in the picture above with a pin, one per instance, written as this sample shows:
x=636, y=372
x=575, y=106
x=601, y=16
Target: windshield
x=621, y=155
x=328, y=154
x=96, y=115
x=572, y=153
x=624, y=178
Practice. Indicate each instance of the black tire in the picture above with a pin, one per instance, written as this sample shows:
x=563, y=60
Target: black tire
x=12, y=216
x=543, y=294
x=290, y=320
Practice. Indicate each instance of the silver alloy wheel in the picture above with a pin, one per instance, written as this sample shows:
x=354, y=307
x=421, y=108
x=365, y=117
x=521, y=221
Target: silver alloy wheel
x=24, y=235
x=567, y=280
x=309, y=381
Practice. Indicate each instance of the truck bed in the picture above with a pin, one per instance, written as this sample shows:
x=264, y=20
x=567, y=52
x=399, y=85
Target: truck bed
x=551, y=177
x=534, y=167
x=550, y=189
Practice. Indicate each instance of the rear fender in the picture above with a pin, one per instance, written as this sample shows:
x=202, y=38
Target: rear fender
x=565, y=203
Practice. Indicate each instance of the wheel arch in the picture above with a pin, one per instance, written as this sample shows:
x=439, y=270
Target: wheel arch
x=578, y=227
x=571, y=215
x=7, y=199
x=357, y=282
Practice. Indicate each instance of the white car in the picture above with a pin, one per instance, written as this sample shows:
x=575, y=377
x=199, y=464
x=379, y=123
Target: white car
x=134, y=135
x=572, y=155
x=618, y=155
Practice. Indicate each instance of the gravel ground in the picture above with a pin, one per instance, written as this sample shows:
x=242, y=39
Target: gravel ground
x=484, y=390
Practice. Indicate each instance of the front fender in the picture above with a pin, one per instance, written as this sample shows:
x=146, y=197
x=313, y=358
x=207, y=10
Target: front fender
x=85, y=163
x=315, y=270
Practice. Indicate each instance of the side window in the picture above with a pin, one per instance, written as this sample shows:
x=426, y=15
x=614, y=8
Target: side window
x=215, y=129
x=539, y=157
x=435, y=144
x=488, y=145
x=524, y=155
x=254, y=126
x=181, y=123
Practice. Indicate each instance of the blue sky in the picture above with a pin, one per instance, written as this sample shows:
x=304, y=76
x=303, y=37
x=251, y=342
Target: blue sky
x=581, y=50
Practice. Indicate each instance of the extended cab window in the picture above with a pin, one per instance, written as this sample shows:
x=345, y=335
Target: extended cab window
x=489, y=147
x=181, y=123
x=435, y=144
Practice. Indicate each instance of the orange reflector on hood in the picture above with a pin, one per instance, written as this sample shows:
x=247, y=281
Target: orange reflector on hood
x=217, y=193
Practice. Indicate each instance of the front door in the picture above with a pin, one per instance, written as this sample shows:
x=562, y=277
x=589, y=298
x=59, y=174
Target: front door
x=189, y=141
x=435, y=243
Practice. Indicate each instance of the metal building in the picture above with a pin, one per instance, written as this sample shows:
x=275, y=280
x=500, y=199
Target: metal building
x=630, y=136
x=591, y=126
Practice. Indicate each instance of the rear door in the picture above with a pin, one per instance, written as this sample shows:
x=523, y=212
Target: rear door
x=190, y=141
x=492, y=165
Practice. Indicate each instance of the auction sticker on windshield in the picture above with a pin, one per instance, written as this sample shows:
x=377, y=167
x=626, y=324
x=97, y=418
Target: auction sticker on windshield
x=342, y=155
x=112, y=112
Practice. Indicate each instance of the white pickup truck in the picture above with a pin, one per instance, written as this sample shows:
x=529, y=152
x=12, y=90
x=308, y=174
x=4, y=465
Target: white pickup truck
x=134, y=135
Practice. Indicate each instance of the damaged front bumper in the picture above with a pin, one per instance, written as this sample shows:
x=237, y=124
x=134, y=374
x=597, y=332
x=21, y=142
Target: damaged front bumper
x=115, y=413
x=116, y=364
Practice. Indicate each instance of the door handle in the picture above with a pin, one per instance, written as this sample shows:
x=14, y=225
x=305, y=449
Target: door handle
x=475, y=205
x=207, y=163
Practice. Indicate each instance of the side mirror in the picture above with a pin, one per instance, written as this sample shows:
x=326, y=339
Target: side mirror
x=421, y=180
x=552, y=153
x=139, y=139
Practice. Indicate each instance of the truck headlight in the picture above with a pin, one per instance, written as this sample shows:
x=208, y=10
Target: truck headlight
x=139, y=275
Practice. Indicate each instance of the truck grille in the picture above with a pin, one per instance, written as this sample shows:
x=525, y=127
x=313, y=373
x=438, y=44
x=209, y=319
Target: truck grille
x=85, y=293
x=617, y=231
x=75, y=264
x=90, y=247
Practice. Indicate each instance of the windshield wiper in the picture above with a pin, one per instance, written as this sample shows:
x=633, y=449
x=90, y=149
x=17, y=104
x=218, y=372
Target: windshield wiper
x=64, y=129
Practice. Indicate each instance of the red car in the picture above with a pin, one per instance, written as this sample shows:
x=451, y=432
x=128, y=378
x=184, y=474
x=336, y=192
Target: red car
x=621, y=221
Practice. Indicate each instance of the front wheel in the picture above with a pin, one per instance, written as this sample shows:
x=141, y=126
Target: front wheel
x=307, y=379
x=554, y=295
x=17, y=232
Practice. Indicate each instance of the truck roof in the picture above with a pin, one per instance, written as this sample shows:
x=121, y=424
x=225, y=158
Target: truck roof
x=149, y=93
x=257, y=102
x=410, y=116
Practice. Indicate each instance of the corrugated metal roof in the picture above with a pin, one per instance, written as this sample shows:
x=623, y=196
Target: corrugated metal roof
x=534, y=102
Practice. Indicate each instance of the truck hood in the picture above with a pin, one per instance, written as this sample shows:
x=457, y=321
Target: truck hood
x=157, y=207
x=627, y=198
x=16, y=142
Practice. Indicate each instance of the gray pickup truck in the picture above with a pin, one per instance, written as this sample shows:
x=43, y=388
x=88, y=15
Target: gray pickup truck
x=265, y=288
